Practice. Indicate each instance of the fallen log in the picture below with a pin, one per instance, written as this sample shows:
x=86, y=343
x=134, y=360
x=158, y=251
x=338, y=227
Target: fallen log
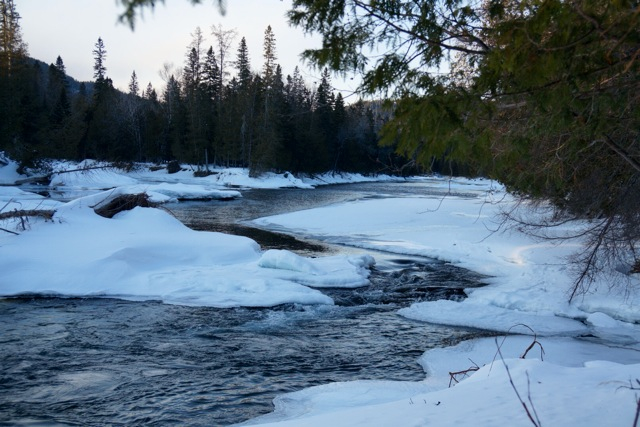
x=22, y=214
x=46, y=214
x=124, y=202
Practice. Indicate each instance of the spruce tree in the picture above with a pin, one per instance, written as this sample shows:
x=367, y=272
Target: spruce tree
x=270, y=57
x=211, y=75
x=100, y=57
x=62, y=69
x=243, y=65
x=150, y=93
x=134, y=87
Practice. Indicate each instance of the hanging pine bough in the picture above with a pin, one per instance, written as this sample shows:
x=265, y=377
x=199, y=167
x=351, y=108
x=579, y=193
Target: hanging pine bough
x=542, y=95
x=122, y=203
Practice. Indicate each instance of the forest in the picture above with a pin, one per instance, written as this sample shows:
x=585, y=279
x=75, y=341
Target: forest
x=213, y=111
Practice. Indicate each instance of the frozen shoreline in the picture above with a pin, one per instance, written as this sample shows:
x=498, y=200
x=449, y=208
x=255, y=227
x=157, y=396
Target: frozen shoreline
x=145, y=253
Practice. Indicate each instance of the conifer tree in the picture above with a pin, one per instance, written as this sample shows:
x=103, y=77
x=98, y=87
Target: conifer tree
x=174, y=130
x=211, y=75
x=245, y=101
x=100, y=57
x=62, y=69
x=542, y=95
x=270, y=57
x=268, y=139
x=243, y=65
x=150, y=93
x=134, y=87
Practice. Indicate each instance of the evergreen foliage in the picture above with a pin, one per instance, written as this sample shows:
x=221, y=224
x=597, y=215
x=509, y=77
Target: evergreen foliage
x=209, y=113
x=540, y=94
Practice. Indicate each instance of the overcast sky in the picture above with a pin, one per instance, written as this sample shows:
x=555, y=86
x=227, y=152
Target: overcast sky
x=70, y=28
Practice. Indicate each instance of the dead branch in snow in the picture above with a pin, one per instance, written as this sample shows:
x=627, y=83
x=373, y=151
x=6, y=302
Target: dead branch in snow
x=454, y=376
x=530, y=411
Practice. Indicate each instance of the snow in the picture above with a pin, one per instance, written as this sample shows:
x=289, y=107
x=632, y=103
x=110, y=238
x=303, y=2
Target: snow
x=578, y=383
x=146, y=254
x=570, y=385
x=584, y=356
x=8, y=170
x=528, y=279
x=91, y=179
x=486, y=399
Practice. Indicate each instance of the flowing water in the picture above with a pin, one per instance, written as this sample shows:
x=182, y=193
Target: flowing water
x=112, y=362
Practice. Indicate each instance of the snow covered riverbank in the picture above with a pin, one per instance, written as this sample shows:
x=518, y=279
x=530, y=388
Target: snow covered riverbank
x=147, y=254
x=527, y=294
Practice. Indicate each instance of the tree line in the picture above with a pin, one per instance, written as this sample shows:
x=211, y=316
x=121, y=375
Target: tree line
x=215, y=110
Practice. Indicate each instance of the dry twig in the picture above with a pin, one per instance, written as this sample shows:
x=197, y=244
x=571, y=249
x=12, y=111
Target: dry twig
x=531, y=413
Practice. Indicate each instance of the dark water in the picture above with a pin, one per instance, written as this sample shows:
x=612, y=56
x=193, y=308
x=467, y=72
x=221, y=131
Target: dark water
x=111, y=362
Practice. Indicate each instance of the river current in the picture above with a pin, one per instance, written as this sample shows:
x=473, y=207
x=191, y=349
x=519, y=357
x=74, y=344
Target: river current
x=112, y=362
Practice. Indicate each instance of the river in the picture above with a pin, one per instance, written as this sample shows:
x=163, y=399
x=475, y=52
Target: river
x=105, y=361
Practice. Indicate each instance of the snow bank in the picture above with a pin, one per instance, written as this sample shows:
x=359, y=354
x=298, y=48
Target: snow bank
x=147, y=254
x=91, y=179
x=14, y=199
x=473, y=315
x=596, y=394
x=572, y=386
x=528, y=279
x=8, y=170
x=179, y=191
x=240, y=177
x=227, y=177
x=326, y=272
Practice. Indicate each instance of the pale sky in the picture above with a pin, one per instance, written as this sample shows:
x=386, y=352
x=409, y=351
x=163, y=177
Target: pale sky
x=70, y=28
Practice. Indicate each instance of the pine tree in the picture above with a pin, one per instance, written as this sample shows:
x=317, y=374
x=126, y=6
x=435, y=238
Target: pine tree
x=268, y=144
x=134, y=87
x=245, y=101
x=211, y=75
x=270, y=57
x=191, y=71
x=339, y=135
x=57, y=93
x=100, y=57
x=101, y=140
x=150, y=93
x=62, y=69
x=243, y=65
x=174, y=130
